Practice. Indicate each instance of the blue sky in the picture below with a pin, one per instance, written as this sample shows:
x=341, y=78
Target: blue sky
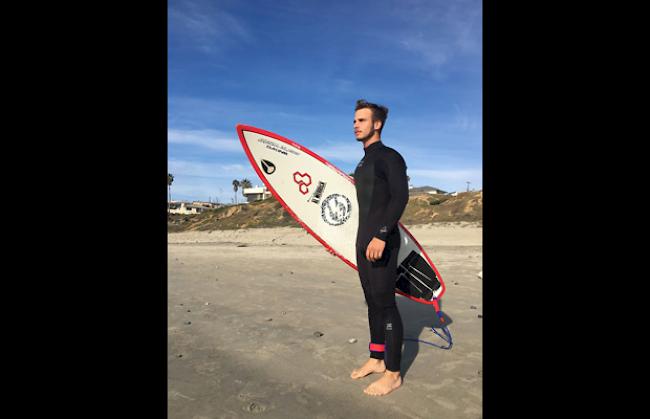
x=297, y=67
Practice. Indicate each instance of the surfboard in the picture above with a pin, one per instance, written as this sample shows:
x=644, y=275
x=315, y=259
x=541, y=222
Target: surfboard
x=323, y=200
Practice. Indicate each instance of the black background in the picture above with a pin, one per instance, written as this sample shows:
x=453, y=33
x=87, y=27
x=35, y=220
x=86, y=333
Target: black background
x=91, y=84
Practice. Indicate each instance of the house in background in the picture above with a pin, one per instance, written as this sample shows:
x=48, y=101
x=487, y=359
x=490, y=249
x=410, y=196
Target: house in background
x=436, y=191
x=186, y=208
x=428, y=189
x=257, y=193
x=206, y=204
x=456, y=193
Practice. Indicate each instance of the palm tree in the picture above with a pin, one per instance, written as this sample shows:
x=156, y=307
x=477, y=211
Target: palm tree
x=245, y=183
x=235, y=187
x=170, y=179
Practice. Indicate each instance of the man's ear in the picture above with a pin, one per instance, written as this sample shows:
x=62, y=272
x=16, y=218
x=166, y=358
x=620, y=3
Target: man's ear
x=377, y=124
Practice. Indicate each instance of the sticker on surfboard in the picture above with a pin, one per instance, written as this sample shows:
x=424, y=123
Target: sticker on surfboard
x=323, y=200
x=268, y=166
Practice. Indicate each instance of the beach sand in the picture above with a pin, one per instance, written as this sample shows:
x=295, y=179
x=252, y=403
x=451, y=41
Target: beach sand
x=244, y=306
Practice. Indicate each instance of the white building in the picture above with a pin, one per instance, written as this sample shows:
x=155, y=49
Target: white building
x=436, y=191
x=205, y=204
x=256, y=193
x=178, y=207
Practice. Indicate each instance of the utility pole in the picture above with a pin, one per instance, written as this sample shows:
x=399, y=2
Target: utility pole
x=468, y=182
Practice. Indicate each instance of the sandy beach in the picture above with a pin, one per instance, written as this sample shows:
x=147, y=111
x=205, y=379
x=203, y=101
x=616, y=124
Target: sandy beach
x=245, y=308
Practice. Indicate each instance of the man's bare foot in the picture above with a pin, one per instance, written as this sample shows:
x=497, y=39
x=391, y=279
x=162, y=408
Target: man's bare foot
x=372, y=365
x=388, y=382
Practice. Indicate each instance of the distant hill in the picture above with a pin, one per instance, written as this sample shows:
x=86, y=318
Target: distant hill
x=428, y=208
x=267, y=213
x=422, y=208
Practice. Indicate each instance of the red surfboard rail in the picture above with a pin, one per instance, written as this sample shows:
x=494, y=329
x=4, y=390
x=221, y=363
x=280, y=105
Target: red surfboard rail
x=240, y=131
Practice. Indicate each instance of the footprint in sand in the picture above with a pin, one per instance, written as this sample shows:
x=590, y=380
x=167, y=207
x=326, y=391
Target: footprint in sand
x=245, y=396
x=302, y=399
x=446, y=403
x=254, y=407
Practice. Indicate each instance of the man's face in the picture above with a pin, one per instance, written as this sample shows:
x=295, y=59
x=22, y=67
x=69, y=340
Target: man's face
x=364, y=127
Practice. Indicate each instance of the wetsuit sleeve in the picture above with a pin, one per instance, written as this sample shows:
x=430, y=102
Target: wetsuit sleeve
x=394, y=169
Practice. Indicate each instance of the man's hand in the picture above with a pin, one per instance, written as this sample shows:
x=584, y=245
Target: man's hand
x=375, y=249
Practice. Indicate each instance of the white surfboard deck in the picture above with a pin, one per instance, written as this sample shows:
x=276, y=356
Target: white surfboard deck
x=323, y=200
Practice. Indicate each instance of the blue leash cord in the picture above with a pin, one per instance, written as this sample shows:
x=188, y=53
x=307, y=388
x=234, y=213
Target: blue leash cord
x=447, y=338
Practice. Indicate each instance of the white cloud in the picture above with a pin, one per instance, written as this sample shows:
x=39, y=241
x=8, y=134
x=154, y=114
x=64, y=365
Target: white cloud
x=463, y=121
x=201, y=25
x=207, y=138
x=188, y=168
x=198, y=112
x=447, y=175
x=203, y=189
x=435, y=54
x=349, y=151
x=202, y=180
x=450, y=180
x=441, y=33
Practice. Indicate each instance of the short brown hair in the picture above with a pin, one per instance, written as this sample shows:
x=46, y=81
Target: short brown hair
x=379, y=112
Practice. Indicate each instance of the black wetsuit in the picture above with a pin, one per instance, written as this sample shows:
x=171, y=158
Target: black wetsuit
x=382, y=192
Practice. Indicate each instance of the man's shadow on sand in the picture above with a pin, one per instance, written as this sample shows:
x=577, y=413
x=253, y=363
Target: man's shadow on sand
x=415, y=318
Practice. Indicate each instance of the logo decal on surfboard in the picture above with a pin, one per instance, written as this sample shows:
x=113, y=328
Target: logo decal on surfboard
x=299, y=178
x=315, y=197
x=336, y=209
x=268, y=167
x=272, y=145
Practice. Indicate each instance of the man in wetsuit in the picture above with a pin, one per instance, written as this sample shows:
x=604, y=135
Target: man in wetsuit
x=382, y=192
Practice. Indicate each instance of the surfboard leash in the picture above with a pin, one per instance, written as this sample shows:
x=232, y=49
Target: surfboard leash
x=447, y=338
